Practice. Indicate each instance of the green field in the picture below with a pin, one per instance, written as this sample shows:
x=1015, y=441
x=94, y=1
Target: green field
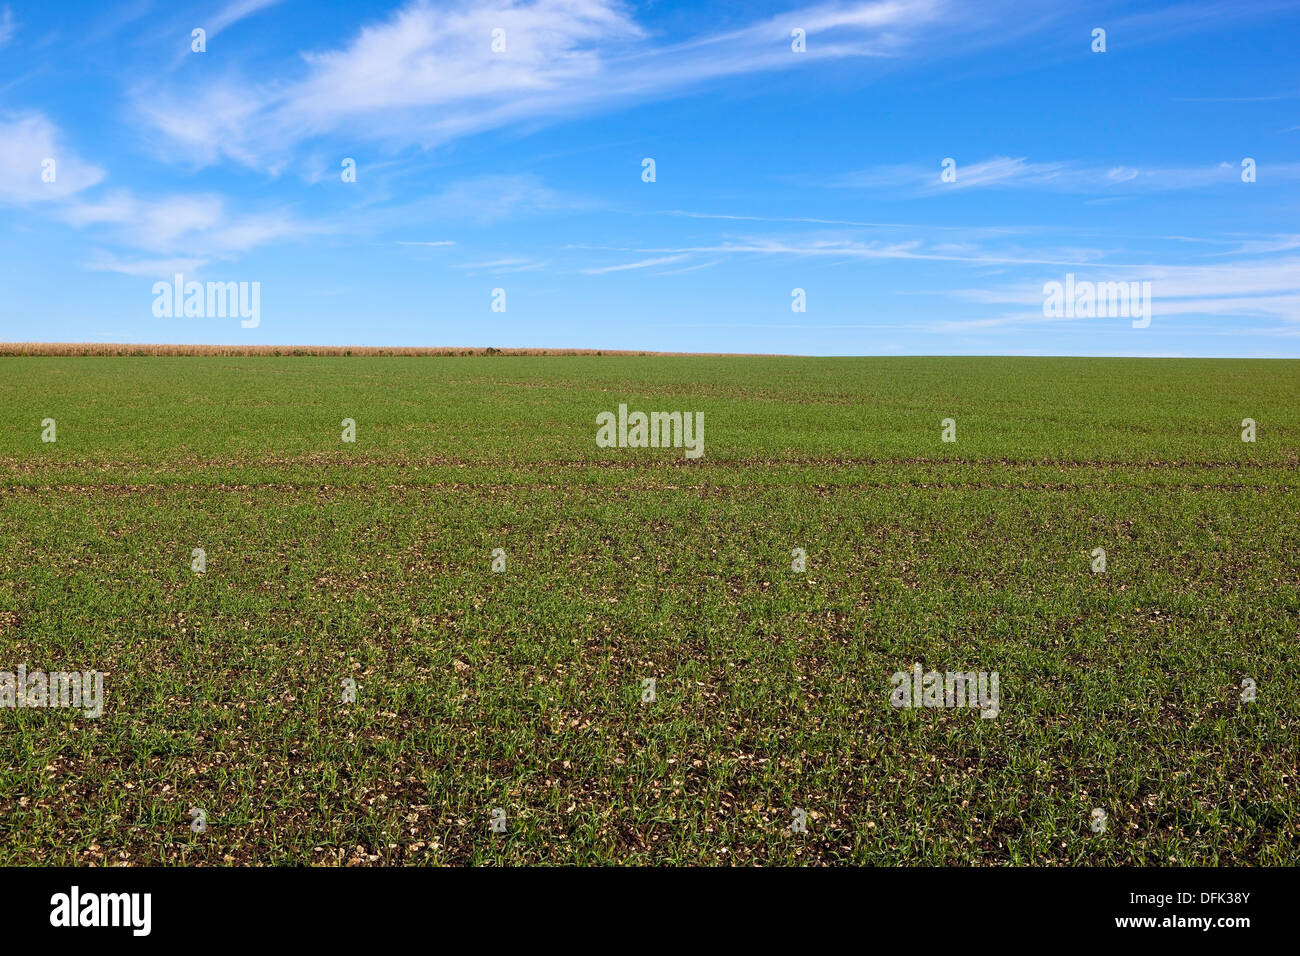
x=522, y=690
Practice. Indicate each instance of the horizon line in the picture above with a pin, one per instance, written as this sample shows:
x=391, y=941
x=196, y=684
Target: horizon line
x=162, y=350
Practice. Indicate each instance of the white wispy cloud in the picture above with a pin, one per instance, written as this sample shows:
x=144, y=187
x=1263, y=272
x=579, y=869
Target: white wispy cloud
x=503, y=266
x=694, y=268
x=234, y=12
x=488, y=199
x=147, y=268
x=1177, y=19
x=1260, y=288
x=427, y=75
x=187, y=228
x=849, y=249
x=8, y=26
x=193, y=229
x=1004, y=172
x=642, y=264
x=176, y=32
x=1258, y=277
x=27, y=141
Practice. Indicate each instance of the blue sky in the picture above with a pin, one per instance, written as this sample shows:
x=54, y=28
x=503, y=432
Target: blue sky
x=522, y=169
